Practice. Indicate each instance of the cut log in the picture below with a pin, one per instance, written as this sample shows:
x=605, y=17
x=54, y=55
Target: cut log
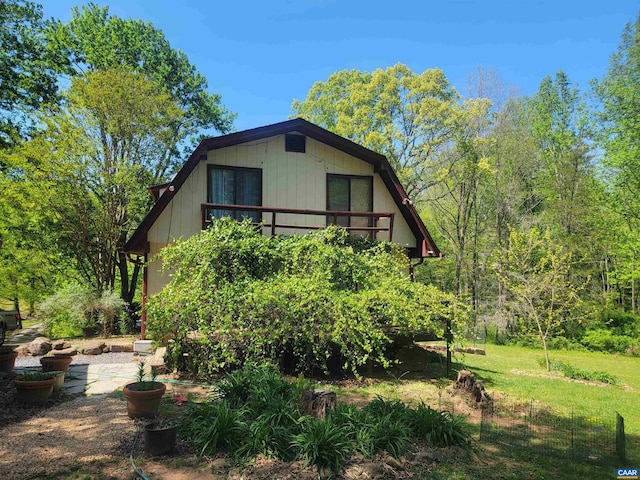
x=466, y=383
x=317, y=402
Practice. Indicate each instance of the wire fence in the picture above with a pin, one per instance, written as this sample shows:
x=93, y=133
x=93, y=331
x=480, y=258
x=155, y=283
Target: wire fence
x=533, y=426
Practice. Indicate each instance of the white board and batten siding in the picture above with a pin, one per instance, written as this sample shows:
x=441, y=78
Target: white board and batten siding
x=289, y=180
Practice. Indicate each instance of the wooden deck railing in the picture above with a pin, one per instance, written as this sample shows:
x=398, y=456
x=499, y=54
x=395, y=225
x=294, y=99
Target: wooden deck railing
x=331, y=215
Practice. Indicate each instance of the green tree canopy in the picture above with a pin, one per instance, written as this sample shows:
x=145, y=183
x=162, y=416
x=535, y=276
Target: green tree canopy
x=95, y=40
x=27, y=70
x=91, y=164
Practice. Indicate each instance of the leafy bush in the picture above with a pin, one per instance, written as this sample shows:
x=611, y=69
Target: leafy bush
x=75, y=307
x=322, y=443
x=259, y=414
x=605, y=340
x=577, y=373
x=214, y=425
x=296, y=301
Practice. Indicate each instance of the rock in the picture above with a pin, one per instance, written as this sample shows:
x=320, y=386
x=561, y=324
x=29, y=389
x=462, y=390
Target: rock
x=93, y=350
x=392, y=462
x=23, y=349
x=426, y=456
x=126, y=347
x=317, y=402
x=40, y=346
x=60, y=344
x=64, y=352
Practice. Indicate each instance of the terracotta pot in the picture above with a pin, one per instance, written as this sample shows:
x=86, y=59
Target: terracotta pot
x=53, y=364
x=7, y=361
x=159, y=439
x=143, y=403
x=37, y=391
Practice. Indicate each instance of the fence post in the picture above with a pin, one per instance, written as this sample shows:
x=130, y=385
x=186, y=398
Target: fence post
x=620, y=438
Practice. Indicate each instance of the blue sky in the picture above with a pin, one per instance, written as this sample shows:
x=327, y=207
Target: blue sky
x=260, y=55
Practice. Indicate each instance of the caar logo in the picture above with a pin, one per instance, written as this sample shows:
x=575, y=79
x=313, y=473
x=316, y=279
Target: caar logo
x=627, y=473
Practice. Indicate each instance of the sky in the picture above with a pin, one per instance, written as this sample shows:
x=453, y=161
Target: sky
x=260, y=55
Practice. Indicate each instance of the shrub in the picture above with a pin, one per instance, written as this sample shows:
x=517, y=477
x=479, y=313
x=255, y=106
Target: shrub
x=577, y=373
x=213, y=426
x=441, y=429
x=605, y=340
x=291, y=300
x=259, y=414
x=323, y=443
x=75, y=307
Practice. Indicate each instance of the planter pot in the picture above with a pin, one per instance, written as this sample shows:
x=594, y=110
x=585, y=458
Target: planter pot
x=58, y=385
x=55, y=364
x=7, y=361
x=143, y=403
x=37, y=391
x=159, y=439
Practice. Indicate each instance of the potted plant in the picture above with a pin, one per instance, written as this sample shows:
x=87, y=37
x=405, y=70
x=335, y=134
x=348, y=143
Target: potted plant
x=160, y=437
x=56, y=363
x=7, y=358
x=34, y=387
x=143, y=396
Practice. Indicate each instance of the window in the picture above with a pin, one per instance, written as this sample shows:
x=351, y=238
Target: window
x=350, y=193
x=235, y=186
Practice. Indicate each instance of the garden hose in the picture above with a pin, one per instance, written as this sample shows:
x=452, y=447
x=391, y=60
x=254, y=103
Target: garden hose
x=136, y=470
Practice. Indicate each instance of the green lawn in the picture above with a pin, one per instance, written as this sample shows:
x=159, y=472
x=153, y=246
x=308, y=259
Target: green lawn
x=515, y=373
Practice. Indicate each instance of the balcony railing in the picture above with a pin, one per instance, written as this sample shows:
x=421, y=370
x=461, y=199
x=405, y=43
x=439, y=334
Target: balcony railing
x=376, y=221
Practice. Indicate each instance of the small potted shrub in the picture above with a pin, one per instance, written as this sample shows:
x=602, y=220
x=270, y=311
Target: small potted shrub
x=143, y=396
x=7, y=358
x=34, y=387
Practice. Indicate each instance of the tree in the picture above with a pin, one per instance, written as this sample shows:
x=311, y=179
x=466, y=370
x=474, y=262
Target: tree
x=93, y=40
x=536, y=276
x=619, y=135
x=560, y=127
x=90, y=166
x=408, y=117
x=27, y=69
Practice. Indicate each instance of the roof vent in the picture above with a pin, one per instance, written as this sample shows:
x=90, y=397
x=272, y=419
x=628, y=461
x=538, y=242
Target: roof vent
x=295, y=143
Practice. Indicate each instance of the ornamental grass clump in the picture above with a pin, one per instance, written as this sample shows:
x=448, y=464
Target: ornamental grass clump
x=258, y=413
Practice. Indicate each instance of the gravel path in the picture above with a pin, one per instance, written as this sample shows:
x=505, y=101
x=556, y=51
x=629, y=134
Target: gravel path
x=119, y=357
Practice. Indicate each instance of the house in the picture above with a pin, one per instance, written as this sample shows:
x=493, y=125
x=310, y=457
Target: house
x=293, y=177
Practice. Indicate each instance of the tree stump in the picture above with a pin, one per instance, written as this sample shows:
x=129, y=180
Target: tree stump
x=467, y=383
x=317, y=402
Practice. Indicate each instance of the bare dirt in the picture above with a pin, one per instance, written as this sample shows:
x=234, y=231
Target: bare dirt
x=92, y=437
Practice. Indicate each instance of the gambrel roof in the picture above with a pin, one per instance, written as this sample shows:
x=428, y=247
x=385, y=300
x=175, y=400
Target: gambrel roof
x=426, y=247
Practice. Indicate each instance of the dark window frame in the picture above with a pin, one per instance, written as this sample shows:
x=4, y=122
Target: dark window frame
x=349, y=177
x=212, y=166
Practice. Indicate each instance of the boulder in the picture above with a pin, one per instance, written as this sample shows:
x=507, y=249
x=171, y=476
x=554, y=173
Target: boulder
x=60, y=344
x=40, y=346
x=22, y=349
x=64, y=352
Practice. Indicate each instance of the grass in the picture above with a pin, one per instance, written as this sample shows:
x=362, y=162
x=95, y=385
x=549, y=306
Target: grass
x=515, y=372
